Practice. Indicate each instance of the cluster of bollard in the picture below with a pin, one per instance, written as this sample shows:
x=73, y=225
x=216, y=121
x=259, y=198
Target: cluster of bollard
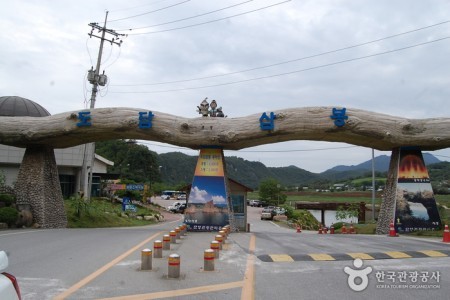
x=215, y=246
x=159, y=246
x=174, y=260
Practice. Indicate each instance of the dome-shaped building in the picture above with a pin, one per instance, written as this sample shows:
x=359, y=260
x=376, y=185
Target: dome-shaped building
x=14, y=106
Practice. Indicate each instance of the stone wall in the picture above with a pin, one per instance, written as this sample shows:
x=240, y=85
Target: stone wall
x=387, y=209
x=38, y=185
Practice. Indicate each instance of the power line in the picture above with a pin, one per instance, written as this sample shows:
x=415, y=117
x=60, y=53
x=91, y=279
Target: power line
x=149, y=12
x=290, y=61
x=129, y=8
x=288, y=73
x=212, y=21
x=188, y=18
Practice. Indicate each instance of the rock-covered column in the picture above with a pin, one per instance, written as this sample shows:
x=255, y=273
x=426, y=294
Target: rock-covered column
x=387, y=209
x=38, y=185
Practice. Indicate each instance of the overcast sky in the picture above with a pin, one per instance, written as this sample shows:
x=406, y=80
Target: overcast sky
x=46, y=52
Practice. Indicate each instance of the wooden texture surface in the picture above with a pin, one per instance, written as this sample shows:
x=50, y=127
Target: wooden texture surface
x=363, y=128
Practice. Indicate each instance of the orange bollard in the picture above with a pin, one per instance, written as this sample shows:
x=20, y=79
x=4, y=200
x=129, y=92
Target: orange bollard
x=157, y=249
x=352, y=229
x=219, y=238
x=446, y=237
x=320, y=229
x=299, y=228
x=174, y=265
x=392, y=232
x=173, y=237
x=215, y=246
x=208, y=258
x=178, y=232
x=344, y=229
x=325, y=230
x=166, y=242
x=332, y=229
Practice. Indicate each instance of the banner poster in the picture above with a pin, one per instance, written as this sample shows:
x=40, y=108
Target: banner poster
x=207, y=208
x=416, y=208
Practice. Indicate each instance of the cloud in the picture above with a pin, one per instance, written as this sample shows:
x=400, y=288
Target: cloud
x=198, y=196
x=219, y=200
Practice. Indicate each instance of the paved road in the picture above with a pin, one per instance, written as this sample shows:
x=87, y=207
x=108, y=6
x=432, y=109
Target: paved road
x=270, y=262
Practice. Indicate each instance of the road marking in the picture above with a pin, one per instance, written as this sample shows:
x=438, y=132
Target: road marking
x=397, y=254
x=360, y=255
x=248, y=288
x=274, y=224
x=433, y=253
x=321, y=256
x=182, y=292
x=21, y=232
x=103, y=269
x=281, y=257
x=354, y=255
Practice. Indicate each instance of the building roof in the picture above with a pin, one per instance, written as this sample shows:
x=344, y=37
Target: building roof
x=104, y=160
x=14, y=106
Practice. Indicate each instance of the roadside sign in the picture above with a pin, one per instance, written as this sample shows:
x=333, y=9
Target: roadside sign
x=130, y=207
x=125, y=201
x=135, y=187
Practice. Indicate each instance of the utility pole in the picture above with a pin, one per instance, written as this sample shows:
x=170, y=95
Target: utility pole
x=96, y=79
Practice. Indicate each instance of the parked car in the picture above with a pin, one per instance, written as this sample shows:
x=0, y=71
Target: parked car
x=181, y=197
x=9, y=287
x=255, y=203
x=180, y=209
x=266, y=214
x=175, y=205
x=279, y=211
x=165, y=197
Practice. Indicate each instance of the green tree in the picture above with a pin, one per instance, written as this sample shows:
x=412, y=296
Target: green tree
x=131, y=161
x=270, y=191
x=345, y=213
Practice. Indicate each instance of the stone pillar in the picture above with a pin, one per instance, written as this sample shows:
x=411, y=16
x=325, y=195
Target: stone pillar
x=387, y=209
x=38, y=185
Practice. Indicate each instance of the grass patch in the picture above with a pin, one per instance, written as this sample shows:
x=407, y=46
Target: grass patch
x=369, y=228
x=102, y=213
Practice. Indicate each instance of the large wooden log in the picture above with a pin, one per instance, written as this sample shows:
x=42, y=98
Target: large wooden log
x=363, y=128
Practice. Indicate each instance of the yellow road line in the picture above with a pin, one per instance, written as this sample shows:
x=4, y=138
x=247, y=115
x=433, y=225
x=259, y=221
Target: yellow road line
x=433, y=253
x=103, y=269
x=320, y=256
x=360, y=255
x=397, y=254
x=182, y=292
x=248, y=288
x=281, y=257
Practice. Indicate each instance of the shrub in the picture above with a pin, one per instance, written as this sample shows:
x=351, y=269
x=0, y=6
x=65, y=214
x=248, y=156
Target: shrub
x=8, y=215
x=7, y=199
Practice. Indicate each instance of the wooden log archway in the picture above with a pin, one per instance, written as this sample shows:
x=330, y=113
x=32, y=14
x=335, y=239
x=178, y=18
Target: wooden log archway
x=362, y=128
